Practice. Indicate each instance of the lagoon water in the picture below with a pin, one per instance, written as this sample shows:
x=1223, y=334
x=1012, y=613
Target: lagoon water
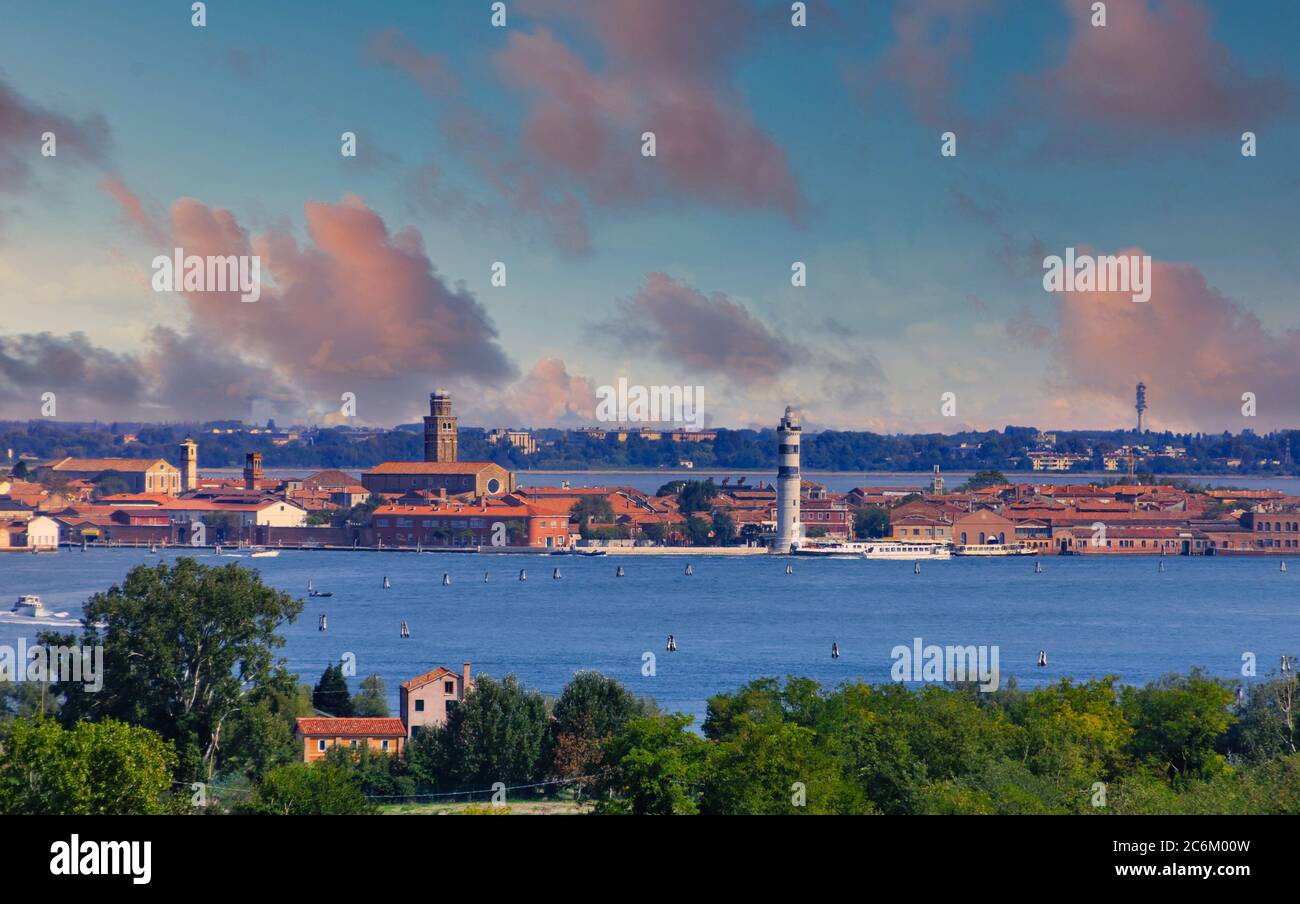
x=736, y=619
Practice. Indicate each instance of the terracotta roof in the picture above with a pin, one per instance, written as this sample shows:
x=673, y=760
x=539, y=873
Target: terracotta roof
x=432, y=467
x=421, y=680
x=352, y=728
x=125, y=465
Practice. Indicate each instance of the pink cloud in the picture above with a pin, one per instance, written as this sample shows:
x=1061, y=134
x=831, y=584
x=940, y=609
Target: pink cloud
x=707, y=334
x=133, y=209
x=1156, y=66
x=22, y=123
x=930, y=37
x=548, y=394
x=1197, y=350
x=659, y=77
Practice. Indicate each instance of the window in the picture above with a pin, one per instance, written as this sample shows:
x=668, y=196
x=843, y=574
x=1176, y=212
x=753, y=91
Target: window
x=352, y=743
x=419, y=706
x=449, y=687
x=383, y=745
x=320, y=745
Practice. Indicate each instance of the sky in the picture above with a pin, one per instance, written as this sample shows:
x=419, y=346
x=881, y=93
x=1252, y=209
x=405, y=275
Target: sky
x=776, y=144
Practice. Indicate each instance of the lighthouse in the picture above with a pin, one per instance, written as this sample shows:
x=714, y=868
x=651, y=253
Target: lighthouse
x=788, y=530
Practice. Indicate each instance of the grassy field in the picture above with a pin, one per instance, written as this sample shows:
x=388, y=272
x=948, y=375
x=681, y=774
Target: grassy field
x=514, y=808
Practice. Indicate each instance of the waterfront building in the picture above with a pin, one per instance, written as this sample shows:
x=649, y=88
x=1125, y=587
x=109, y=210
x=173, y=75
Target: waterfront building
x=920, y=527
x=484, y=522
x=982, y=527
x=788, y=528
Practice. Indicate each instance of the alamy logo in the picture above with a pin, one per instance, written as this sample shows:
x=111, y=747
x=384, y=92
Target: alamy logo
x=56, y=665
x=1109, y=273
x=651, y=404
x=103, y=858
x=240, y=273
x=951, y=663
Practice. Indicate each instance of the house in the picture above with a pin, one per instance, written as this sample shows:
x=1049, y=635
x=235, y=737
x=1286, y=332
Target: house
x=920, y=527
x=318, y=735
x=40, y=532
x=429, y=699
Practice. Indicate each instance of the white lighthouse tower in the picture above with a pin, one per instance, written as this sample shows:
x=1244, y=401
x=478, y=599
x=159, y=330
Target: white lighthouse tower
x=788, y=530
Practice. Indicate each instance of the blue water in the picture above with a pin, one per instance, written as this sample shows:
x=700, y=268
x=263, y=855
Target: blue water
x=738, y=619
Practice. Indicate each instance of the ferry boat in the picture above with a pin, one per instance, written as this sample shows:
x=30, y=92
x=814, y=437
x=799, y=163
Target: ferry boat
x=29, y=604
x=895, y=549
x=993, y=549
x=845, y=550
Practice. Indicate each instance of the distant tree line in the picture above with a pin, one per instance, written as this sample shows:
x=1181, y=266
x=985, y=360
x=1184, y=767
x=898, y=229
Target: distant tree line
x=342, y=447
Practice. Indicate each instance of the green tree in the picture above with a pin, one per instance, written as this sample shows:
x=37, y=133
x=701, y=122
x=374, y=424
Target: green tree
x=591, y=710
x=373, y=699
x=774, y=767
x=184, y=647
x=92, y=768
x=589, y=509
x=724, y=529
x=870, y=521
x=1176, y=725
x=318, y=789
x=697, y=531
x=496, y=734
x=651, y=768
x=331, y=693
x=982, y=479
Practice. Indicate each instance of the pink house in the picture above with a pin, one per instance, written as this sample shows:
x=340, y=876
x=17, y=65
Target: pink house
x=429, y=698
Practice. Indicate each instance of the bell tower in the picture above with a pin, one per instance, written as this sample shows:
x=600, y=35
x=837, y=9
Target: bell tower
x=440, y=436
x=189, y=465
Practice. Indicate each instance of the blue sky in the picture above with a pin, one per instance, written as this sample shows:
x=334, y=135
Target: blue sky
x=924, y=271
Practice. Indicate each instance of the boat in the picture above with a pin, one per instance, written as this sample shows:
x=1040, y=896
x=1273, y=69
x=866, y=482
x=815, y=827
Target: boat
x=258, y=553
x=894, y=549
x=591, y=552
x=844, y=550
x=29, y=604
x=993, y=549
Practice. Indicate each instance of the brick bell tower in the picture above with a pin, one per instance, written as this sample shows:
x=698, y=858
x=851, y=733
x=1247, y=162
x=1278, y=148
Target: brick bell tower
x=440, y=437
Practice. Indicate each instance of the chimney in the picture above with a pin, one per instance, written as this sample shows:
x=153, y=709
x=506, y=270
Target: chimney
x=464, y=679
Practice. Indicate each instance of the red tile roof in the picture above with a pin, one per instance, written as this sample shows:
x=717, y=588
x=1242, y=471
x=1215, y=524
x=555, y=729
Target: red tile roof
x=421, y=680
x=352, y=728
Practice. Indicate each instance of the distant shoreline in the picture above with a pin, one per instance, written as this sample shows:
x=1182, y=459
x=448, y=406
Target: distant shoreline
x=922, y=476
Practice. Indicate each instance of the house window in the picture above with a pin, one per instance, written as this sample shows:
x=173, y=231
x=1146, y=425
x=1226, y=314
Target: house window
x=383, y=745
x=320, y=745
x=419, y=706
x=352, y=743
x=449, y=687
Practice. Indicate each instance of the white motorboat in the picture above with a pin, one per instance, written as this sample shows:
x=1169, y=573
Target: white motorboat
x=264, y=553
x=29, y=605
x=993, y=549
x=894, y=549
